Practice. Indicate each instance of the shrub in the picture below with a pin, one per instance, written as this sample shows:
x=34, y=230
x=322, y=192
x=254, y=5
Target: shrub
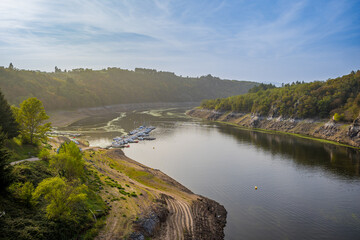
x=44, y=154
x=23, y=192
x=338, y=117
x=66, y=200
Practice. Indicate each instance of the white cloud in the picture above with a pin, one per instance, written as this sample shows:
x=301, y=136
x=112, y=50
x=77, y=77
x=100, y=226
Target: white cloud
x=168, y=35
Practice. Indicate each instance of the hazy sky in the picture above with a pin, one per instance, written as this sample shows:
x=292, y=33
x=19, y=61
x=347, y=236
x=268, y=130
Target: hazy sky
x=266, y=41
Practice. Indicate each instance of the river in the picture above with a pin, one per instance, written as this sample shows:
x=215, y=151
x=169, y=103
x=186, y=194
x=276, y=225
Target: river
x=306, y=189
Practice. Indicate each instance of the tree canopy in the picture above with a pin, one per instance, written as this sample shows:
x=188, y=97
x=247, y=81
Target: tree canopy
x=299, y=100
x=7, y=120
x=30, y=117
x=91, y=88
x=64, y=198
x=68, y=162
x=5, y=168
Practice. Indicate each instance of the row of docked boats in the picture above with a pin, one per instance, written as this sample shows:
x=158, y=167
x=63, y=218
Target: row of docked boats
x=134, y=136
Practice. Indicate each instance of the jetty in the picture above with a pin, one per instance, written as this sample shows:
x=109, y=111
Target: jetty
x=134, y=136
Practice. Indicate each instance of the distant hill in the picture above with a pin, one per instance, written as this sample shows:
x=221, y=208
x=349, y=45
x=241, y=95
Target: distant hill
x=339, y=97
x=90, y=88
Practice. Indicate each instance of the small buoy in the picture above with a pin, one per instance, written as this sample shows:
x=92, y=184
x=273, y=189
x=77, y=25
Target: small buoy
x=255, y=187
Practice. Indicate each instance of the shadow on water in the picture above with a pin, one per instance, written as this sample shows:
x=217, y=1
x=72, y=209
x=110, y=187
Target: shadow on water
x=338, y=160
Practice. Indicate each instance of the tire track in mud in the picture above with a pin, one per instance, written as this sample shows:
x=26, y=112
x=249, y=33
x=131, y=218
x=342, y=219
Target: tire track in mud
x=180, y=219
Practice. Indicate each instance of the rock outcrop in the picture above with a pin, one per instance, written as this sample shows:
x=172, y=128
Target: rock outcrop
x=318, y=128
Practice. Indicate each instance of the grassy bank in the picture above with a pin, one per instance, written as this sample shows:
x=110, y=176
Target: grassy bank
x=20, y=150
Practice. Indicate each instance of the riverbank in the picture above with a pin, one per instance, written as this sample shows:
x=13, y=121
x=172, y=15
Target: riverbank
x=67, y=117
x=158, y=206
x=146, y=203
x=324, y=130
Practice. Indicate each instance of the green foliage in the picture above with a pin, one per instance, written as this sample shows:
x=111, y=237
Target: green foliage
x=23, y=192
x=261, y=86
x=338, y=117
x=23, y=222
x=33, y=172
x=89, y=88
x=66, y=200
x=30, y=117
x=44, y=154
x=20, y=150
x=5, y=168
x=299, y=100
x=68, y=162
x=7, y=120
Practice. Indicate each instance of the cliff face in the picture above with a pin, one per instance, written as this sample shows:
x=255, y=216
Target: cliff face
x=329, y=130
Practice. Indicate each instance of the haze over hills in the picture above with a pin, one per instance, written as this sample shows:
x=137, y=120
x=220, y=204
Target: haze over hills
x=91, y=88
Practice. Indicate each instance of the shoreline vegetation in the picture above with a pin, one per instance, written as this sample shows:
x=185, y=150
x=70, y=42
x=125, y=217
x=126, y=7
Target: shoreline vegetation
x=326, y=111
x=341, y=134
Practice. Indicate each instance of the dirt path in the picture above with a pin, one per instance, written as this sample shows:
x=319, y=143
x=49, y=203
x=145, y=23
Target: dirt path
x=33, y=159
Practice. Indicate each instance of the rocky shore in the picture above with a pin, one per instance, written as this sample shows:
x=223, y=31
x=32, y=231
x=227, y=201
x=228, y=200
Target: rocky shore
x=348, y=134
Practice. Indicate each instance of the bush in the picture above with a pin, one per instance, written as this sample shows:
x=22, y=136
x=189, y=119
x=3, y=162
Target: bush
x=44, y=154
x=338, y=117
x=68, y=162
x=23, y=192
x=66, y=200
x=5, y=167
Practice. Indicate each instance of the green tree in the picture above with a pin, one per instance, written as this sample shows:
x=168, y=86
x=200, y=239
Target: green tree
x=66, y=200
x=23, y=191
x=30, y=117
x=57, y=69
x=11, y=66
x=68, y=162
x=44, y=154
x=5, y=168
x=7, y=119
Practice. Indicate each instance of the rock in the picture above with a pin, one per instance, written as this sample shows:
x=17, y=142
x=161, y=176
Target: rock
x=254, y=121
x=329, y=129
x=150, y=223
x=354, y=128
x=215, y=115
x=209, y=223
x=136, y=236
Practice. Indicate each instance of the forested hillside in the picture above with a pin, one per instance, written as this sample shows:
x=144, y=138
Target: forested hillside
x=340, y=96
x=90, y=88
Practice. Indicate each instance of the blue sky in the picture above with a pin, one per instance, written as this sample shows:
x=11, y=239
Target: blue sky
x=265, y=41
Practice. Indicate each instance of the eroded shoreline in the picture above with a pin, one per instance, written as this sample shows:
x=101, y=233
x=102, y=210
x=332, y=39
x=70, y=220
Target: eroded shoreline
x=163, y=208
x=324, y=130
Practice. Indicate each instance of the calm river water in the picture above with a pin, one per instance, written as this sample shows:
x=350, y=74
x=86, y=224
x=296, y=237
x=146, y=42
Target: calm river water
x=306, y=189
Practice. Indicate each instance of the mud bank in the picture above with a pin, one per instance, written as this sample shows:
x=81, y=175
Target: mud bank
x=157, y=206
x=65, y=118
x=347, y=134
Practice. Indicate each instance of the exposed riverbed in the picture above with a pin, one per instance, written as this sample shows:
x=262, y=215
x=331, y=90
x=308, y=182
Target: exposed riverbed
x=306, y=189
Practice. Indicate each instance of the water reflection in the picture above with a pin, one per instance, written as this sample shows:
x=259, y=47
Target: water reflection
x=336, y=159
